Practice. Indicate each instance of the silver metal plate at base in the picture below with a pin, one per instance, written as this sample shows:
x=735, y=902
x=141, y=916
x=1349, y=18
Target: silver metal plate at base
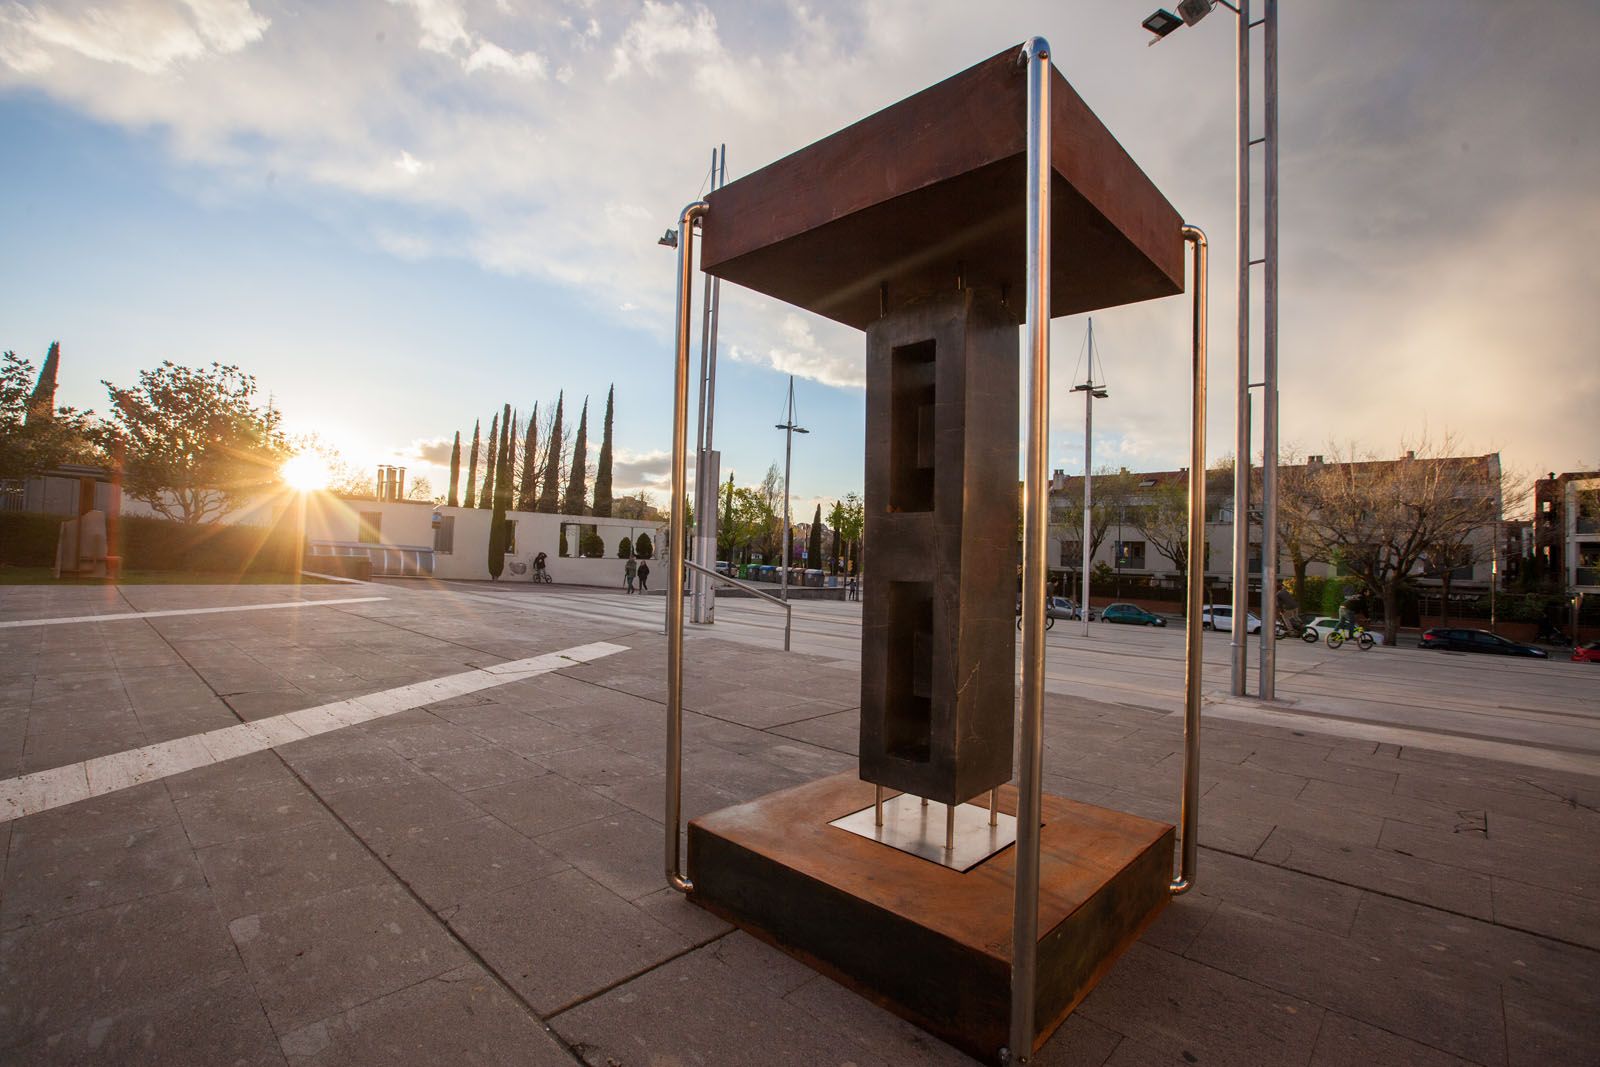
x=920, y=830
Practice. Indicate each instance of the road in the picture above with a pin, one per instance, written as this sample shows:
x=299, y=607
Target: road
x=1533, y=712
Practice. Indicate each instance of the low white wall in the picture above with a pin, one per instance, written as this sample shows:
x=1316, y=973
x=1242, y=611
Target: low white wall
x=409, y=524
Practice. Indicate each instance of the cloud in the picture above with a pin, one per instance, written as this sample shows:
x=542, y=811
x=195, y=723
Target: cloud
x=148, y=37
x=435, y=450
x=632, y=471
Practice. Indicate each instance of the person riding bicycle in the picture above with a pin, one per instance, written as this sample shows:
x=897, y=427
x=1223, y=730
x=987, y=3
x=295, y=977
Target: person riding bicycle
x=1347, y=620
x=1289, y=609
x=538, y=565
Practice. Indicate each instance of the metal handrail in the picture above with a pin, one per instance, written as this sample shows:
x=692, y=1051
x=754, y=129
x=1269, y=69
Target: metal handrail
x=786, y=605
x=687, y=220
x=1189, y=805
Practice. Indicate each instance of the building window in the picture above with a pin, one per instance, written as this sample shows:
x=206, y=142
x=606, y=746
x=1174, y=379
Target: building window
x=444, y=535
x=1130, y=554
x=369, y=526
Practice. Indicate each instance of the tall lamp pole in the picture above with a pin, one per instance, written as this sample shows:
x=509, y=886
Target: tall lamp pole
x=1162, y=23
x=1091, y=392
x=789, y=429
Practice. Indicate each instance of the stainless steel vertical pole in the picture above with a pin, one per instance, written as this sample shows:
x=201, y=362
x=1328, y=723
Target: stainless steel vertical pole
x=703, y=590
x=687, y=220
x=1193, y=658
x=1025, y=912
x=1238, y=638
x=1268, y=687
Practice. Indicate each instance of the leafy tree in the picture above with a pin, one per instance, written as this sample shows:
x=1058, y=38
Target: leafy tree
x=32, y=436
x=814, y=542
x=530, y=464
x=196, y=445
x=643, y=547
x=454, y=498
x=625, y=548
x=1110, y=494
x=502, y=495
x=834, y=515
x=590, y=543
x=852, y=523
x=472, y=468
x=577, y=479
x=550, y=480
x=491, y=464
x=602, y=478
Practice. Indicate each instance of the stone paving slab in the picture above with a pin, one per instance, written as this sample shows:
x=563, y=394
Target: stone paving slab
x=479, y=880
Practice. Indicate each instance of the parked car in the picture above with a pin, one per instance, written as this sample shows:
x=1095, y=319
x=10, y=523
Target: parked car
x=1220, y=617
x=1322, y=625
x=1452, y=640
x=1061, y=607
x=1131, y=615
x=1587, y=653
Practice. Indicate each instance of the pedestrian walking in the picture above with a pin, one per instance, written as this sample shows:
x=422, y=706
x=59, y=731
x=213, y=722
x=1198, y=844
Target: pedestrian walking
x=644, y=576
x=629, y=571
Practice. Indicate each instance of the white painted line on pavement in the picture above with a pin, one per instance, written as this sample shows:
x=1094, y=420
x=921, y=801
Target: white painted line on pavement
x=43, y=790
x=275, y=606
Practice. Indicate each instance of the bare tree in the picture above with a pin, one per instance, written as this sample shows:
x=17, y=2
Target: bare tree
x=1379, y=519
x=1110, y=494
x=1296, y=534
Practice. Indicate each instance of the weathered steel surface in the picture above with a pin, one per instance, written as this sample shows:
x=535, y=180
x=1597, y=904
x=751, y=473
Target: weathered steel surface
x=932, y=188
x=938, y=642
x=930, y=943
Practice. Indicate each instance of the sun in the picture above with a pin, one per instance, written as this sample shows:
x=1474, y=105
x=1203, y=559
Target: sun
x=306, y=473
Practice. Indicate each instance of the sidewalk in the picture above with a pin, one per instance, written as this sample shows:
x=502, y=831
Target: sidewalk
x=479, y=880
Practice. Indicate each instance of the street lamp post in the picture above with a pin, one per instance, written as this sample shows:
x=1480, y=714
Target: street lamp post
x=789, y=429
x=1162, y=23
x=1091, y=393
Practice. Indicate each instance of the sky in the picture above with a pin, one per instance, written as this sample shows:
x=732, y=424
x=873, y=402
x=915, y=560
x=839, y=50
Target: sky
x=400, y=215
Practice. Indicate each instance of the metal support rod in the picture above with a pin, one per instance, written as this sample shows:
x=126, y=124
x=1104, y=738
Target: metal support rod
x=950, y=826
x=1025, y=912
x=687, y=220
x=1193, y=659
x=702, y=592
x=1268, y=684
x=877, y=805
x=994, y=806
x=1238, y=640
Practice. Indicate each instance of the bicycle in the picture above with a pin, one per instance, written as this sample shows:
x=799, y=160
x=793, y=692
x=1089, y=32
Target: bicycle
x=541, y=574
x=1049, y=621
x=1362, y=639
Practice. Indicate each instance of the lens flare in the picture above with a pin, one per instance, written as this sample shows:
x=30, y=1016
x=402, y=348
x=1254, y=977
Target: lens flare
x=306, y=473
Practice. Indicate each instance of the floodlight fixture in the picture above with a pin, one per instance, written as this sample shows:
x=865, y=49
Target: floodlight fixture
x=1192, y=11
x=1161, y=23
x=669, y=239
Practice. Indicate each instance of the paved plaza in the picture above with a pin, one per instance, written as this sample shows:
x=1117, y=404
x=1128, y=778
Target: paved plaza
x=412, y=824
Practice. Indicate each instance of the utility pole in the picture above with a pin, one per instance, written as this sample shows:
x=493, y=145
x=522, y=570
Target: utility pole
x=789, y=429
x=1091, y=393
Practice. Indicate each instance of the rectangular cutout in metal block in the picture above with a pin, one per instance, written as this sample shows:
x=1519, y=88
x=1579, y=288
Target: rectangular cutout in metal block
x=911, y=414
x=908, y=703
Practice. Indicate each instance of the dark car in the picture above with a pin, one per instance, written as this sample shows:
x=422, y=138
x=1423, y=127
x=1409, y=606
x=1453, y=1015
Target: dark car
x=1131, y=615
x=1587, y=653
x=1477, y=641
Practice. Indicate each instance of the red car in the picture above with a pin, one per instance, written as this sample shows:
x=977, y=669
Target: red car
x=1589, y=653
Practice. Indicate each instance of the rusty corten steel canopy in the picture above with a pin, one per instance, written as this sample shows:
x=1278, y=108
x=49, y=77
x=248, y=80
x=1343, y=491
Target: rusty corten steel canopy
x=933, y=187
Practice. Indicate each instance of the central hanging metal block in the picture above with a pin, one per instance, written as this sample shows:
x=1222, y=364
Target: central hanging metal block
x=939, y=632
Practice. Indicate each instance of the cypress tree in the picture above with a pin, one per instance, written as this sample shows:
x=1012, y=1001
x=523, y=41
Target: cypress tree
x=602, y=476
x=550, y=480
x=491, y=459
x=455, y=472
x=530, y=466
x=578, y=479
x=502, y=496
x=814, y=542
x=472, y=467
x=833, y=555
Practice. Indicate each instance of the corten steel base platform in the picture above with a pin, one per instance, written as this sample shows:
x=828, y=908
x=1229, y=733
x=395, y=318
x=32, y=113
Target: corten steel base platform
x=929, y=943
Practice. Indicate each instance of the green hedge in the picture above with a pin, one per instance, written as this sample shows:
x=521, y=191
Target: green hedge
x=149, y=544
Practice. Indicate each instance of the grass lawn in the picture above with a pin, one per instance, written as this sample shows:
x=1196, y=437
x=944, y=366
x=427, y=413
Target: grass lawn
x=42, y=576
